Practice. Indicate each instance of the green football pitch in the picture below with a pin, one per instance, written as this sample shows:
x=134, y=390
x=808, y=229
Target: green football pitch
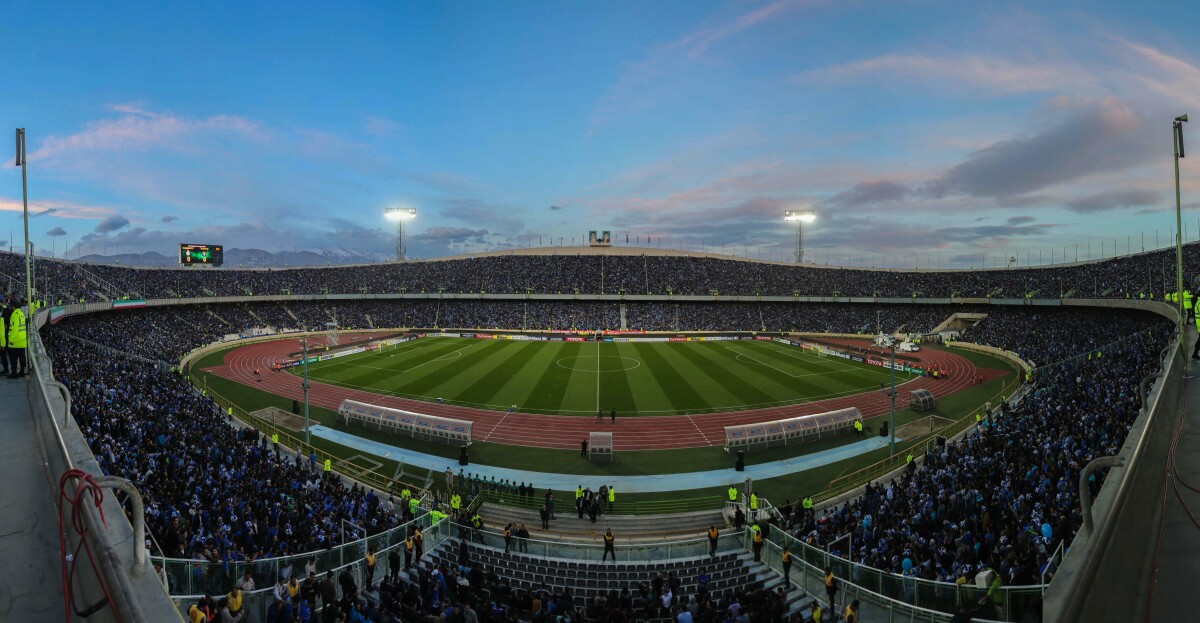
x=577, y=378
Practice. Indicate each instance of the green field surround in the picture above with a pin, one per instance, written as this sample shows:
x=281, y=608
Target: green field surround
x=577, y=378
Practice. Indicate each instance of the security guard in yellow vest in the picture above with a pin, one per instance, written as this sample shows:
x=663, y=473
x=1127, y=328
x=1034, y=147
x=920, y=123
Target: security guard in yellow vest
x=612, y=497
x=16, y=342
x=408, y=551
x=753, y=501
x=455, y=503
x=713, y=536
x=328, y=465
x=1188, y=304
x=3, y=342
x=1196, y=348
x=758, y=543
x=807, y=505
x=785, y=558
x=732, y=493
x=858, y=427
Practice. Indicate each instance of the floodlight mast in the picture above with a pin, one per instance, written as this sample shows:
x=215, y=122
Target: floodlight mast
x=399, y=215
x=1177, y=135
x=800, y=217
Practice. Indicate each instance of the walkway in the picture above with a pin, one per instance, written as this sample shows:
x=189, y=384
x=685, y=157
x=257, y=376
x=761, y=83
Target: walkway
x=629, y=484
x=564, y=432
x=1174, y=582
x=31, y=582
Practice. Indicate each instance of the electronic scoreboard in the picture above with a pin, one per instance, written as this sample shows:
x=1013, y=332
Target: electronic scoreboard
x=201, y=255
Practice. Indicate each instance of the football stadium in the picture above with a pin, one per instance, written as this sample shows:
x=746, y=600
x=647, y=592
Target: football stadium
x=679, y=394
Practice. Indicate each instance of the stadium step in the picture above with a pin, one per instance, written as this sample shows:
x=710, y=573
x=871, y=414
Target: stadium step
x=217, y=317
x=569, y=526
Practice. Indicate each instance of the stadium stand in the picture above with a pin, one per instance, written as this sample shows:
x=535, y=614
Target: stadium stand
x=626, y=271
x=219, y=493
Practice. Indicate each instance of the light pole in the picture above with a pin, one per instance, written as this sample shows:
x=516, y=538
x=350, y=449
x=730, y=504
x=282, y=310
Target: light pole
x=892, y=411
x=307, y=440
x=800, y=217
x=24, y=164
x=399, y=215
x=1177, y=132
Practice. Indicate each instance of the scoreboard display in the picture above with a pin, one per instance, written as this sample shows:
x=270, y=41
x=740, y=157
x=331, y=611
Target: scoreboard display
x=201, y=255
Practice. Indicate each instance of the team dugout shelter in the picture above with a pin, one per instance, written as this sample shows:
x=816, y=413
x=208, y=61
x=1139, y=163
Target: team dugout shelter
x=444, y=430
x=791, y=431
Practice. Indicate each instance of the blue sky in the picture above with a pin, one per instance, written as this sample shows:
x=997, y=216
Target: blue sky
x=919, y=131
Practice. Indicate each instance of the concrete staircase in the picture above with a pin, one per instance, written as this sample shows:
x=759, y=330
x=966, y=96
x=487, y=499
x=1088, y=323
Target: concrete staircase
x=569, y=527
x=542, y=572
x=219, y=318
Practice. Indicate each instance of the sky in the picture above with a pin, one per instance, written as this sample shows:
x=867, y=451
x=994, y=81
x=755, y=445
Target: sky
x=920, y=133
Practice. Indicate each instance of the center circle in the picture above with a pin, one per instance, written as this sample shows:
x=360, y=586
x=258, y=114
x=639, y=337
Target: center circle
x=584, y=363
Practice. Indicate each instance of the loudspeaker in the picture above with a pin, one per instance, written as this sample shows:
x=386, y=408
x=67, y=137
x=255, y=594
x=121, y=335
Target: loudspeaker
x=462, y=455
x=741, y=461
x=296, y=407
x=883, y=429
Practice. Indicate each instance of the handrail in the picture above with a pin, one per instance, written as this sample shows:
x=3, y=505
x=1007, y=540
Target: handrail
x=854, y=589
x=1085, y=492
x=137, y=514
x=66, y=396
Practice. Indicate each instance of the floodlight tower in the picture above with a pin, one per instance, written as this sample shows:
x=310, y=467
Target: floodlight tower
x=399, y=215
x=800, y=217
x=1177, y=131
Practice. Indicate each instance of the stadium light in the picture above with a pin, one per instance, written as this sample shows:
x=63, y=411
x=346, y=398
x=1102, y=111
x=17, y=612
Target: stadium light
x=800, y=217
x=22, y=161
x=399, y=215
x=1177, y=135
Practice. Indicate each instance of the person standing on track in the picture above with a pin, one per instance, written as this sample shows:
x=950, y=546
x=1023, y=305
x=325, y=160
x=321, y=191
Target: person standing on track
x=613, y=416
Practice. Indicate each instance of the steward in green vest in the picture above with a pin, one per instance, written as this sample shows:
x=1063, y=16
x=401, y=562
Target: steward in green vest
x=732, y=493
x=753, y=501
x=16, y=342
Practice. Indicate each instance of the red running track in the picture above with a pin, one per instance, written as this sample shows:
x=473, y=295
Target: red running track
x=558, y=431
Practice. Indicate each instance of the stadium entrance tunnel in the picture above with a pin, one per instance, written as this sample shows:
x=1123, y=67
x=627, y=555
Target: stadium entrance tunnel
x=602, y=363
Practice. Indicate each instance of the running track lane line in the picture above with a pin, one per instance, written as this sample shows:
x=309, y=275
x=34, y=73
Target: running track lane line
x=706, y=440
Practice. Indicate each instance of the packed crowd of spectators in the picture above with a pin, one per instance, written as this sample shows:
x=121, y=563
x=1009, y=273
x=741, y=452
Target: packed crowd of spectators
x=212, y=491
x=1130, y=276
x=1007, y=495
x=167, y=333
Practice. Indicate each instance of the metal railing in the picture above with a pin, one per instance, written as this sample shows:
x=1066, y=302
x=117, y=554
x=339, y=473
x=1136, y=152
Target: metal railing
x=196, y=577
x=256, y=603
x=623, y=507
x=626, y=551
x=905, y=598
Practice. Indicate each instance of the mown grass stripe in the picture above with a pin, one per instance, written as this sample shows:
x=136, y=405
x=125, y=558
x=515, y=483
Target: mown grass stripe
x=546, y=395
x=713, y=395
x=486, y=389
x=616, y=393
x=676, y=389
x=449, y=369
x=719, y=373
